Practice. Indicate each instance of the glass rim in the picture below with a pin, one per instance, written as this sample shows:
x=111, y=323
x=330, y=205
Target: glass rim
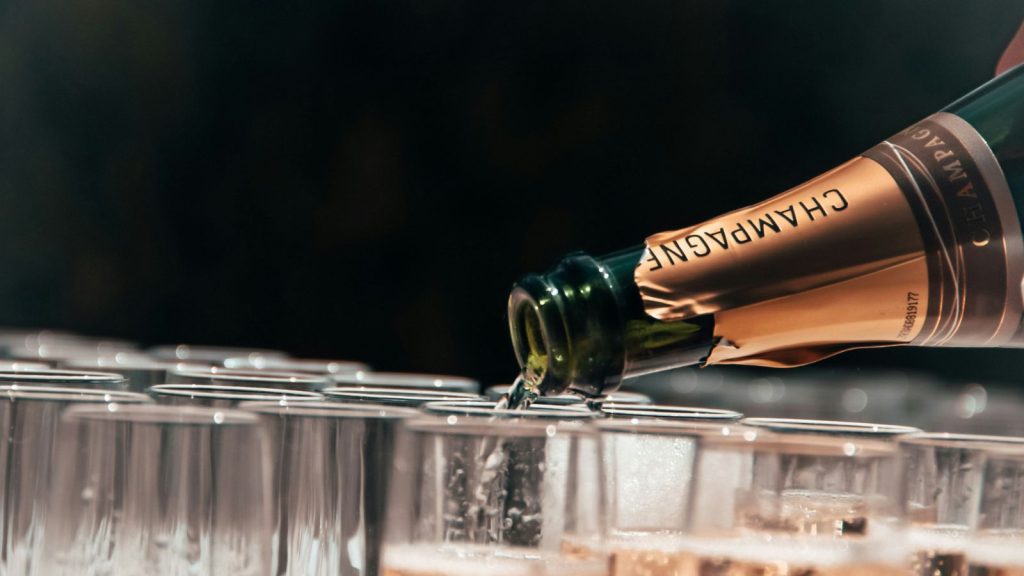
x=161, y=414
x=288, y=364
x=567, y=399
x=18, y=393
x=224, y=351
x=727, y=432
x=396, y=393
x=56, y=375
x=405, y=380
x=830, y=427
x=669, y=412
x=12, y=365
x=253, y=375
x=627, y=397
x=471, y=425
x=486, y=409
x=980, y=442
x=228, y=392
x=328, y=409
x=132, y=363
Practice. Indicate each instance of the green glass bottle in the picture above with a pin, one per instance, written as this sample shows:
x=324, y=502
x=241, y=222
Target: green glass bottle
x=917, y=241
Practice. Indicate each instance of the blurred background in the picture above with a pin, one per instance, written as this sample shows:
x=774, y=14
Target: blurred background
x=366, y=180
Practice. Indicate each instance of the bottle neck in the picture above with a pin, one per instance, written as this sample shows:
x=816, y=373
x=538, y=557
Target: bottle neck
x=567, y=329
x=582, y=327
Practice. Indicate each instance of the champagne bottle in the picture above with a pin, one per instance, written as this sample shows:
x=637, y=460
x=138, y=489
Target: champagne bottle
x=915, y=242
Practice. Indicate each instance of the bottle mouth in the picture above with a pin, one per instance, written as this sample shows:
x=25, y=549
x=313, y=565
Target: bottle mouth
x=565, y=327
x=536, y=325
x=533, y=357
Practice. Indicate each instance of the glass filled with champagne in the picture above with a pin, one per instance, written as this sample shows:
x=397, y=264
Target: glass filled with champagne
x=965, y=502
x=478, y=490
x=771, y=497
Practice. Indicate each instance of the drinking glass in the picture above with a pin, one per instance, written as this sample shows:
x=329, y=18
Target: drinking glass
x=49, y=345
x=139, y=373
x=21, y=365
x=209, y=354
x=221, y=396
x=965, y=501
x=307, y=365
x=666, y=412
x=480, y=491
x=258, y=378
x=407, y=380
x=70, y=378
x=148, y=489
x=649, y=460
x=29, y=418
x=332, y=465
x=787, y=497
x=976, y=408
x=411, y=397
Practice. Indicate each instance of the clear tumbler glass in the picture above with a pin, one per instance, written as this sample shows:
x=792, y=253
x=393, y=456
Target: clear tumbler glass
x=251, y=377
x=306, y=365
x=67, y=378
x=411, y=397
x=791, y=497
x=139, y=373
x=332, y=465
x=407, y=380
x=148, y=489
x=29, y=417
x=222, y=396
x=965, y=501
x=498, y=493
x=209, y=354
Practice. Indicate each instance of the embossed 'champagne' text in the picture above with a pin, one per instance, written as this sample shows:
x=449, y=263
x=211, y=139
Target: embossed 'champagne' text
x=730, y=235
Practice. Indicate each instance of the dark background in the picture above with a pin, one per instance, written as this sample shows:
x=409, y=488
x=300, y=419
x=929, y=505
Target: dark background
x=366, y=179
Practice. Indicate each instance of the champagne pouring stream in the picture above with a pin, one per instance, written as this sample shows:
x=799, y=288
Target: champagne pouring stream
x=520, y=395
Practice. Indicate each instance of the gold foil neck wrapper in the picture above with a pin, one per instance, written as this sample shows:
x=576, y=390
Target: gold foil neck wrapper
x=880, y=251
x=828, y=266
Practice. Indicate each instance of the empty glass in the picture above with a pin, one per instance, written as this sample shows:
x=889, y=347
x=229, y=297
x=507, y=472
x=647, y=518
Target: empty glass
x=831, y=392
x=504, y=493
x=75, y=378
x=664, y=412
x=20, y=366
x=977, y=409
x=407, y=380
x=209, y=354
x=146, y=489
x=965, y=501
x=51, y=345
x=332, y=466
x=258, y=378
x=308, y=365
x=29, y=418
x=411, y=397
x=221, y=396
x=139, y=373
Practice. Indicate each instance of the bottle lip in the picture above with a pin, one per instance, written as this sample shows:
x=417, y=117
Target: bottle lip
x=535, y=300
